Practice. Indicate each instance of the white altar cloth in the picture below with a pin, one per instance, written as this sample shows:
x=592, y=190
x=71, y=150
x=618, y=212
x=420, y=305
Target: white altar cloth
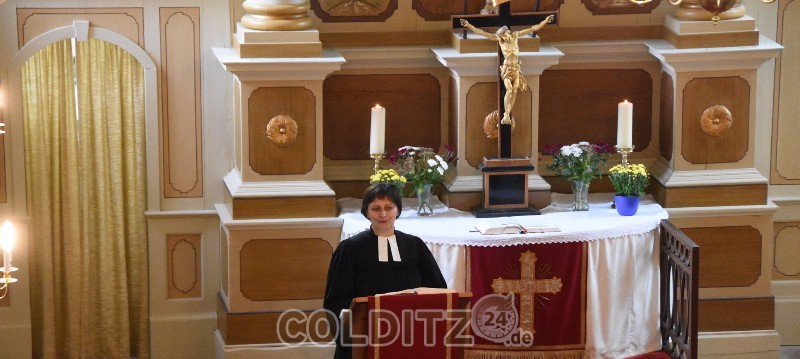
x=454, y=227
x=622, y=275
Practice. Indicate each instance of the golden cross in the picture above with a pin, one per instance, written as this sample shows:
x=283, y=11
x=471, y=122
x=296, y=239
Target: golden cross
x=526, y=287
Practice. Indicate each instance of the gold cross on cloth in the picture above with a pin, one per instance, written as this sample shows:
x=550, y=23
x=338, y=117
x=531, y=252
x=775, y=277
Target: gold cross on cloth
x=527, y=287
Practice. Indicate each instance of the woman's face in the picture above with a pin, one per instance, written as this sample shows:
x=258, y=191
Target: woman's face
x=382, y=213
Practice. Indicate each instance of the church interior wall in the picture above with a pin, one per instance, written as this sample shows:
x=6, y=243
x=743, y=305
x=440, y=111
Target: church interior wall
x=195, y=251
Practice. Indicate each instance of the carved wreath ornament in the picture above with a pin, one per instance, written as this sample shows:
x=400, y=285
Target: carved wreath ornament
x=716, y=120
x=490, y=125
x=282, y=130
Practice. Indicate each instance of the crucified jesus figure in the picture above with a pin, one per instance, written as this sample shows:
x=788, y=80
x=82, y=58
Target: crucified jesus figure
x=510, y=70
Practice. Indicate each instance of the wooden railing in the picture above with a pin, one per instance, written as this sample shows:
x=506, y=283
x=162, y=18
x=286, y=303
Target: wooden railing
x=680, y=261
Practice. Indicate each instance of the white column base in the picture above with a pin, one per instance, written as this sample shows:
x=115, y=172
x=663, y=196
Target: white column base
x=787, y=310
x=756, y=344
x=239, y=189
x=270, y=351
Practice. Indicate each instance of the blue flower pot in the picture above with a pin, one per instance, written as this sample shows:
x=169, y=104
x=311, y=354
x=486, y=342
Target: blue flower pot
x=626, y=205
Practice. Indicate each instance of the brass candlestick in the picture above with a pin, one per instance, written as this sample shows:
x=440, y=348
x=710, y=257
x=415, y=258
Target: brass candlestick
x=377, y=157
x=6, y=280
x=624, y=151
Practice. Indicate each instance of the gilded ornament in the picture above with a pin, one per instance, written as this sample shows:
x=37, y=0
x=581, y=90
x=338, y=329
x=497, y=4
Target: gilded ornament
x=282, y=130
x=490, y=125
x=511, y=69
x=716, y=120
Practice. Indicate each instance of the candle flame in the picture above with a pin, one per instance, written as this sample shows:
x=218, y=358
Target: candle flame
x=377, y=106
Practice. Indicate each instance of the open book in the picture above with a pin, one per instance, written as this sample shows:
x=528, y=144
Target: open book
x=420, y=290
x=515, y=225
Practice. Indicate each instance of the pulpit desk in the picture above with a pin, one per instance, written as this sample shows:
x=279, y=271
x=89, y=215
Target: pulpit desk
x=622, y=278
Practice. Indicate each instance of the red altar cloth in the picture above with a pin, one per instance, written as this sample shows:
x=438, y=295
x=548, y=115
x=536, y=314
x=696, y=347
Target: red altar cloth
x=548, y=284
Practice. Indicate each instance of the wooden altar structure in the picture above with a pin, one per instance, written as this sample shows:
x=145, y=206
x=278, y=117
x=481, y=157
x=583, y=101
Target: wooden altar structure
x=437, y=89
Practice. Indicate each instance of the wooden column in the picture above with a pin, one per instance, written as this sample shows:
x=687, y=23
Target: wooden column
x=278, y=222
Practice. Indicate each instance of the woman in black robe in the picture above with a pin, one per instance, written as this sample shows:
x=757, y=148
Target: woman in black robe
x=356, y=269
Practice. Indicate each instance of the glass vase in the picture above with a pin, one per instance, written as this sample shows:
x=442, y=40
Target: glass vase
x=580, y=190
x=424, y=197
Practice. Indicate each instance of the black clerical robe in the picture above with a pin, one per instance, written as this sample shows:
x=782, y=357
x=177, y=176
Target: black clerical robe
x=356, y=272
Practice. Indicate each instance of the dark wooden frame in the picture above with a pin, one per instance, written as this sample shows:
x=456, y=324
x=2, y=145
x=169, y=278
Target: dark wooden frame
x=679, y=267
x=325, y=17
x=631, y=8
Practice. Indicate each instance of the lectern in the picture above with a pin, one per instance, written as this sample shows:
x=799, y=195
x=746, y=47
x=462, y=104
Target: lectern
x=409, y=326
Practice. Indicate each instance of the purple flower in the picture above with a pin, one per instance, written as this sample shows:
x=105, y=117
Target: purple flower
x=551, y=149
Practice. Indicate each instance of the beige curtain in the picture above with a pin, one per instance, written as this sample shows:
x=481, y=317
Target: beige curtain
x=86, y=194
x=53, y=199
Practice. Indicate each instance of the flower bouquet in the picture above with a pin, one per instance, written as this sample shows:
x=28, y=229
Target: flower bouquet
x=630, y=180
x=629, y=183
x=389, y=176
x=424, y=169
x=580, y=164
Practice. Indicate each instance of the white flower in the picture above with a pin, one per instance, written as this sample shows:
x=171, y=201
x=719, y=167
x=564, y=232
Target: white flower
x=441, y=170
x=576, y=152
x=444, y=165
x=583, y=143
x=566, y=150
x=432, y=162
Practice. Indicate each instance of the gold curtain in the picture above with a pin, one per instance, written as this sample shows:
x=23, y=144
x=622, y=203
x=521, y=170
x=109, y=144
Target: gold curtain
x=86, y=194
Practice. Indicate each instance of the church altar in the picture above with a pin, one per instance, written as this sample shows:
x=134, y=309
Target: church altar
x=621, y=261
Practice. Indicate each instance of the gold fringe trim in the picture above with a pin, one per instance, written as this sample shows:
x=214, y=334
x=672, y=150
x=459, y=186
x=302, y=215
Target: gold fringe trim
x=502, y=354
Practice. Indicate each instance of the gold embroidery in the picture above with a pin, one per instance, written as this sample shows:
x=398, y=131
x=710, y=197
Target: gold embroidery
x=527, y=287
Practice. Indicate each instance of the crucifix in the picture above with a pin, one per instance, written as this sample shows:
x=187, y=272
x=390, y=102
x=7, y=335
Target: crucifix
x=509, y=75
x=527, y=286
x=505, y=181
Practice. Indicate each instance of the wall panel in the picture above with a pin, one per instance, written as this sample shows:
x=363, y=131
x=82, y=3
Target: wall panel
x=413, y=113
x=699, y=94
x=268, y=158
x=184, y=253
x=735, y=314
x=787, y=250
x=731, y=256
x=581, y=105
x=127, y=21
x=181, y=112
x=284, y=269
x=785, y=147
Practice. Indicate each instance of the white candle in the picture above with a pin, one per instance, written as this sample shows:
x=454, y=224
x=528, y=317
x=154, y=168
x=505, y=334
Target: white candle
x=7, y=241
x=2, y=104
x=378, y=130
x=625, y=124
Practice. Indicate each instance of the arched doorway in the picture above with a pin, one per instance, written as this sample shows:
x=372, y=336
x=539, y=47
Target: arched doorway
x=85, y=122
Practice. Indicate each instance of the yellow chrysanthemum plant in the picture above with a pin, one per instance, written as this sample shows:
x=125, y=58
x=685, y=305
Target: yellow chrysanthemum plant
x=630, y=179
x=389, y=176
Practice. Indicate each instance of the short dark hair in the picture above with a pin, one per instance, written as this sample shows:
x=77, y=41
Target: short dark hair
x=382, y=190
